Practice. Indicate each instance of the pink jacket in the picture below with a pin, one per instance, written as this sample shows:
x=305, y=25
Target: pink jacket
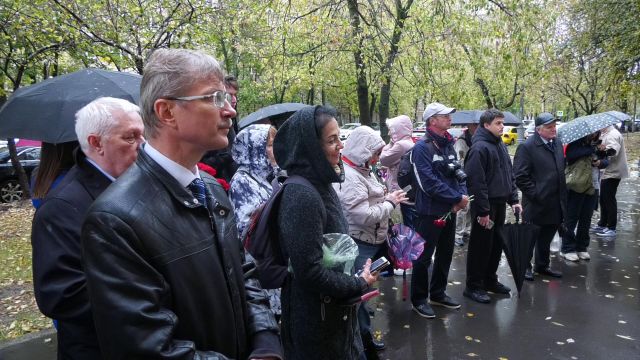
x=400, y=129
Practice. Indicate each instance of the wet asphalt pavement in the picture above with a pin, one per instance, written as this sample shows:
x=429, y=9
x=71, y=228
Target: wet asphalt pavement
x=593, y=312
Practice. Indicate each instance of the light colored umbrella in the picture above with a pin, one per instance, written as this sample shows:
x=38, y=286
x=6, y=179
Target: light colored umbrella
x=584, y=125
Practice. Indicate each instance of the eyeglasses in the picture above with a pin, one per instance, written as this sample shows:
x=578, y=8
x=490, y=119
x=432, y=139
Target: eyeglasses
x=217, y=98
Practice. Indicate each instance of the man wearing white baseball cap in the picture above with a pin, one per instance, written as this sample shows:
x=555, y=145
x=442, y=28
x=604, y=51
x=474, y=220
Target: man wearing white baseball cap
x=442, y=191
x=434, y=109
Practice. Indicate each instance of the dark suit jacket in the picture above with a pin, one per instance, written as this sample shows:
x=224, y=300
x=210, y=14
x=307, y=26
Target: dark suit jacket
x=58, y=276
x=539, y=175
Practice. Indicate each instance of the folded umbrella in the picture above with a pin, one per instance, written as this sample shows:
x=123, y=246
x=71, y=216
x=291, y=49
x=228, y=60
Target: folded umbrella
x=405, y=246
x=46, y=111
x=518, y=240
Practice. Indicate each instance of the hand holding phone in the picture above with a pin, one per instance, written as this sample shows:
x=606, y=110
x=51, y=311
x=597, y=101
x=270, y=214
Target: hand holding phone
x=377, y=265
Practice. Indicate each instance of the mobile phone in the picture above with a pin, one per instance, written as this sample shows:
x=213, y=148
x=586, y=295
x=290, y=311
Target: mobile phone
x=407, y=188
x=377, y=265
x=489, y=224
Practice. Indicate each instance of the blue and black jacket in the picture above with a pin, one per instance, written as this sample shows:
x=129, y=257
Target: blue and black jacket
x=439, y=189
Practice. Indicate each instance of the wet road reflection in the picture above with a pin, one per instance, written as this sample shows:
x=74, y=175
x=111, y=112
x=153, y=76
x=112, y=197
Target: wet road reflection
x=593, y=312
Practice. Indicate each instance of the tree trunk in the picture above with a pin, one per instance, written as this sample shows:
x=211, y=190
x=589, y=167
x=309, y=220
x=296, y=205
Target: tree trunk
x=362, y=87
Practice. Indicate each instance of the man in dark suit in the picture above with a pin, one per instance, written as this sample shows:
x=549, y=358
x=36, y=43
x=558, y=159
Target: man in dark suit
x=109, y=132
x=539, y=171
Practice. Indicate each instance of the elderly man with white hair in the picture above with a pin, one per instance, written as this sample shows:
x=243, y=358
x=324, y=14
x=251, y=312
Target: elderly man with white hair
x=161, y=252
x=109, y=131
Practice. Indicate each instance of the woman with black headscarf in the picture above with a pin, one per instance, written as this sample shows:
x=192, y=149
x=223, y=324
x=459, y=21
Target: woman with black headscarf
x=317, y=323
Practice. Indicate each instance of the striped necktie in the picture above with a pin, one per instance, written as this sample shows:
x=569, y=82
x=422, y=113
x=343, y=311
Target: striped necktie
x=197, y=189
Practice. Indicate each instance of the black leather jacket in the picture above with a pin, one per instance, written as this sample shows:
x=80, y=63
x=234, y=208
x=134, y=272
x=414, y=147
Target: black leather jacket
x=165, y=276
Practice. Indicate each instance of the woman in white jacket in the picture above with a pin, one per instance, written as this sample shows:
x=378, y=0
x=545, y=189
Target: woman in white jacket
x=400, y=130
x=367, y=206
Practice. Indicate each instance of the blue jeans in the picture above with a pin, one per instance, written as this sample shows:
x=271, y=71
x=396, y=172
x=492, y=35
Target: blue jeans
x=579, y=211
x=367, y=251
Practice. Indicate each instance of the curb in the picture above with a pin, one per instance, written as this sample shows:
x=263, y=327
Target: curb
x=38, y=345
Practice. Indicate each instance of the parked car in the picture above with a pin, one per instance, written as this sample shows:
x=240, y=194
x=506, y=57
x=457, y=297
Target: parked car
x=346, y=130
x=510, y=135
x=531, y=128
x=419, y=129
x=29, y=157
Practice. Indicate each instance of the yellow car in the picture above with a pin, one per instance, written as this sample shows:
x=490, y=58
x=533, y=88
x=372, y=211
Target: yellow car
x=509, y=135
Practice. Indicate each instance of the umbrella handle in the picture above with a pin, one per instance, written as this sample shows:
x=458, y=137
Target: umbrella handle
x=517, y=214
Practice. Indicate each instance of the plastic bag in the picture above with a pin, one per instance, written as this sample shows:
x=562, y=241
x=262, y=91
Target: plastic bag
x=339, y=252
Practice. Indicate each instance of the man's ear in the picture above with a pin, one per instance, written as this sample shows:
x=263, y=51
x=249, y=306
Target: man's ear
x=95, y=143
x=164, y=109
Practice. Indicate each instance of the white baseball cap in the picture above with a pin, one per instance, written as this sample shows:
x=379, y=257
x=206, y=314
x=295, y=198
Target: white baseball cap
x=436, y=109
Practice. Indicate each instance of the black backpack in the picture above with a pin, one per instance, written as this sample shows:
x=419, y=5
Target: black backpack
x=406, y=176
x=261, y=237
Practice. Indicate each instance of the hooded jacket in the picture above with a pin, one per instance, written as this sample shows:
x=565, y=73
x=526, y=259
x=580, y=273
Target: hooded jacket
x=400, y=130
x=250, y=186
x=490, y=173
x=314, y=324
x=361, y=195
x=617, y=168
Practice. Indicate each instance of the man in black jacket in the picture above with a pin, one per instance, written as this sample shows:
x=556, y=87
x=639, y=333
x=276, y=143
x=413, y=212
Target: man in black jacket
x=163, y=262
x=492, y=185
x=539, y=170
x=109, y=132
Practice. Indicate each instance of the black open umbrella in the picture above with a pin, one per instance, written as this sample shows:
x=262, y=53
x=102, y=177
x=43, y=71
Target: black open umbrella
x=518, y=240
x=276, y=114
x=46, y=111
x=464, y=117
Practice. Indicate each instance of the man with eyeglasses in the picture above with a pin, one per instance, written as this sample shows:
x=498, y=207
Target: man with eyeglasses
x=441, y=194
x=163, y=261
x=221, y=160
x=109, y=131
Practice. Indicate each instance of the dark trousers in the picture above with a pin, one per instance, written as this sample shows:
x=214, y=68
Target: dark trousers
x=485, y=249
x=373, y=252
x=579, y=211
x=608, y=203
x=408, y=215
x=435, y=238
x=543, y=243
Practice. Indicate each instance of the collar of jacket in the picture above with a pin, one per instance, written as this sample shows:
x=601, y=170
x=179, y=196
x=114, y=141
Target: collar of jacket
x=483, y=134
x=351, y=164
x=182, y=194
x=96, y=181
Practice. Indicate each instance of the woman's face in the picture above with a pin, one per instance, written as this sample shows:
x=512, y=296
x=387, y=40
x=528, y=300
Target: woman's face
x=331, y=143
x=270, y=138
x=375, y=157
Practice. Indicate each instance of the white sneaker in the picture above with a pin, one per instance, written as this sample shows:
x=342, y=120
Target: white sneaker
x=398, y=272
x=571, y=256
x=607, y=233
x=584, y=255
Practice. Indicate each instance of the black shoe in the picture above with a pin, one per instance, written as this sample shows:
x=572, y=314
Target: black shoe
x=445, y=301
x=477, y=296
x=371, y=344
x=378, y=345
x=424, y=310
x=549, y=272
x=498, y=288
x=528, y=275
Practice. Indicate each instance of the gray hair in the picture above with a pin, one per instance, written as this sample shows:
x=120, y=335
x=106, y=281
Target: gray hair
x=97, y=118
x=170, y=73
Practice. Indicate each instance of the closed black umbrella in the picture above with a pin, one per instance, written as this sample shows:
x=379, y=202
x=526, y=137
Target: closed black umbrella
x=519, y=240
x=46, y=111
x=276, y=114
